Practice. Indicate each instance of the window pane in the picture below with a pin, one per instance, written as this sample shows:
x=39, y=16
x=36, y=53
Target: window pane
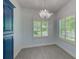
x=44, y=28
x=62, y=28
x=70, y=28
x=37, y=28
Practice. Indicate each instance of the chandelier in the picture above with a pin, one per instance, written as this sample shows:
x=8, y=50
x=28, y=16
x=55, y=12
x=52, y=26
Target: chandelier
x=45, y=14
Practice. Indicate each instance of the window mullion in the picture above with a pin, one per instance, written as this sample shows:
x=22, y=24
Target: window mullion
x=60, y=25
x=65, y=29
x=75, y=29
x=41, y=28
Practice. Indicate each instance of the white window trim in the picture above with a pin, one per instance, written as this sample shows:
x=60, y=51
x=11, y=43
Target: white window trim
x=41, y=31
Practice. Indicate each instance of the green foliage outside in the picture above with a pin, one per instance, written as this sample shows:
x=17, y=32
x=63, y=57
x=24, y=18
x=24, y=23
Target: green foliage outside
x=70, y=23
x=40, y=27
x=62, y=25
x=67, y=28
x=67, y=24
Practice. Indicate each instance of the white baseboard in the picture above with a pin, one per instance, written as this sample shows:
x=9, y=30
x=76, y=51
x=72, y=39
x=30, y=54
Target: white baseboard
x=71, y=54
x=15, y=54
x=38, y=45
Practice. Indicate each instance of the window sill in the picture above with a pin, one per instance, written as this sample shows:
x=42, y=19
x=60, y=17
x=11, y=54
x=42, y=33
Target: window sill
x=41, y=37
x=69, y=41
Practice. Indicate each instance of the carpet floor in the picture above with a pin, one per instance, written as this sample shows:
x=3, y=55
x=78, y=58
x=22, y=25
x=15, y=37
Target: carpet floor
x=44, y=52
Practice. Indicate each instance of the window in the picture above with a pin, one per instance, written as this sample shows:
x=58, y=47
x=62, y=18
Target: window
x=62, y=28
x=40, y=28
x=67, y=29
x=70, y=28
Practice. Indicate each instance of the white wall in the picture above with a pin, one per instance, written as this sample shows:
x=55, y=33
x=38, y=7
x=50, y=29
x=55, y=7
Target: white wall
x=28, y=15
x=67, y=10
x=17, y=28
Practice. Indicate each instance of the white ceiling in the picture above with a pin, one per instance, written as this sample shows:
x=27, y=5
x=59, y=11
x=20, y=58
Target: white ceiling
x=53, y=5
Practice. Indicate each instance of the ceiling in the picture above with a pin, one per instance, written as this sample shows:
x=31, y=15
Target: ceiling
x=52, y=5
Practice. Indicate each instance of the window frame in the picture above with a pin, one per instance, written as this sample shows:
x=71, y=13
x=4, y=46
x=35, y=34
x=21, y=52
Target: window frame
x=64, y=39
x=41, y=36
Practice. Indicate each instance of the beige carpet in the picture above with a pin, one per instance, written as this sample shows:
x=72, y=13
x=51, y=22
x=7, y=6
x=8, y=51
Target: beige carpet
x=45, y=52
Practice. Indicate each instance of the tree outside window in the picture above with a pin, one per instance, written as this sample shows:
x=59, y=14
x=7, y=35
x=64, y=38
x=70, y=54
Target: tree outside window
x=67, y=28
x=40, y=28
